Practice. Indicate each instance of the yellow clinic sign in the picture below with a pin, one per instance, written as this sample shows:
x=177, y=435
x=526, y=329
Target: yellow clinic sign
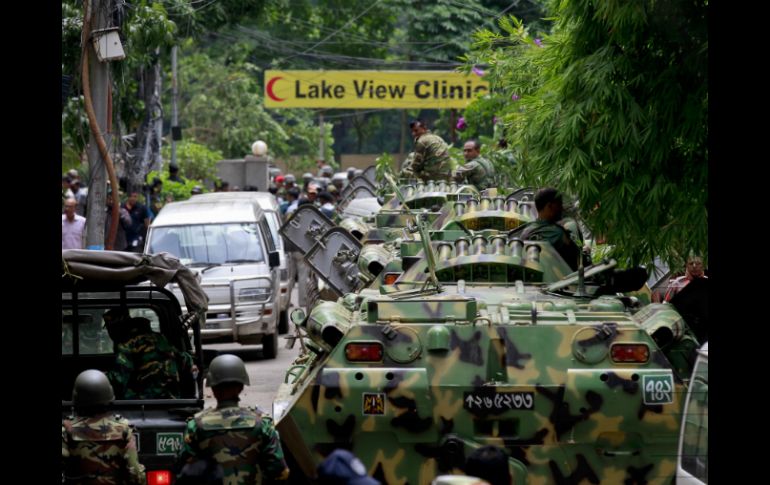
x=371, y=89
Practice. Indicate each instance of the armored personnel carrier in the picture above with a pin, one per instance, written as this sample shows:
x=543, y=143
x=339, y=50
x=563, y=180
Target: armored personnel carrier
x=481, y=339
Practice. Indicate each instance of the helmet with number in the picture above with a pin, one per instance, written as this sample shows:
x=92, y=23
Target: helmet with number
x=227, y=368
x=92, y=388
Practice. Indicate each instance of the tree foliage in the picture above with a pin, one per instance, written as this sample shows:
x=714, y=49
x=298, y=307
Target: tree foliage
x=221, y=106
x=196, y=161
x=613, y=109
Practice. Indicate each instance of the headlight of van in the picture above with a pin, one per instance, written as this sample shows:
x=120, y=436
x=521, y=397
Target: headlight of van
x=252, y=291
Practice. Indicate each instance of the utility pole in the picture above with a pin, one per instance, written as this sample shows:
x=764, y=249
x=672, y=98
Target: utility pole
x=174, y=112
x=99, y=73
x=321, y=150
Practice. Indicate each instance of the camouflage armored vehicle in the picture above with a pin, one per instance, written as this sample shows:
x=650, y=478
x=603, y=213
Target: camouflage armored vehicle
x=381, y=228
x=484, y=339
x=94, y=282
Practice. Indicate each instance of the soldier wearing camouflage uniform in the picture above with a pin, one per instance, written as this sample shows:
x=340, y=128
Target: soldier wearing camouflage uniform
x=406, y=168
x=549, y=205
x=478, y=170
x=242, y=441
x=431, y=154
x=98, y=447
x=147, y=366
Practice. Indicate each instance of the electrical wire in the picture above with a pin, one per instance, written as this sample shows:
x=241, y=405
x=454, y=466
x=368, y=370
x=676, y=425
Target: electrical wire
x=340, y=29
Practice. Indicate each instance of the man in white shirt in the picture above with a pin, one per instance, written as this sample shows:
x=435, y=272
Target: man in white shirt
x=72, y=226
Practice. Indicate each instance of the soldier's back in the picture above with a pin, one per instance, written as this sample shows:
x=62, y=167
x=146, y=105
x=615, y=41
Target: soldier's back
x=435, y=163
x=236, y=438
x=487, y=178
x=100, y=450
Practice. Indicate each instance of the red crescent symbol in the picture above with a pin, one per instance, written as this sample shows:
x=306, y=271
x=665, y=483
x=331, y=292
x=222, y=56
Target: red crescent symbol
x=269, y=89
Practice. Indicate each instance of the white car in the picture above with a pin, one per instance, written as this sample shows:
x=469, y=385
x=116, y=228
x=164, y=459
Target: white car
x=287, y=271
x=226, y=238
x=693, y=462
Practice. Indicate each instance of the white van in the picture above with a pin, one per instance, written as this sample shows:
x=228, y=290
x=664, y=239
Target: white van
x=272, y=210
x=226, y=238
x=693, y=462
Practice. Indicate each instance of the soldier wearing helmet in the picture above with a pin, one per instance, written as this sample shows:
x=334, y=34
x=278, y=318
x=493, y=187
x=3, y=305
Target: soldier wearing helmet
x=96, y=445
x=241, y=441
x=147, y=366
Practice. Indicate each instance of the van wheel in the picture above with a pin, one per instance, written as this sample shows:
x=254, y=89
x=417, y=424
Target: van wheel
x=283, y=322
x=270, y=346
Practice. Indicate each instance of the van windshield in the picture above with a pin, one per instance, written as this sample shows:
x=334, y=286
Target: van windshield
x=209, y=243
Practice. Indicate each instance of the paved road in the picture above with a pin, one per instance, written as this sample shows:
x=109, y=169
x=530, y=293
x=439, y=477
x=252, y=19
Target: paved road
x=265, y=374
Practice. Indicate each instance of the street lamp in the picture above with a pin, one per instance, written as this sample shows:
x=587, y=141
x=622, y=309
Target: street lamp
x=259, y=148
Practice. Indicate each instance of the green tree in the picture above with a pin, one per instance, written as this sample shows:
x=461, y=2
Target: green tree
x=196, y=161
x=221, y=105
x=612, y=108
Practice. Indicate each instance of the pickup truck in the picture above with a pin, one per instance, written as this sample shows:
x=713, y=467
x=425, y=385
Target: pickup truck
x=96, y=281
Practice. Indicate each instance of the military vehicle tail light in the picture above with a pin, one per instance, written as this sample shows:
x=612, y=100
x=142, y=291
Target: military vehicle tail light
x=638, y=353
x=363, y=352
x=159, y=477
x=391, y=278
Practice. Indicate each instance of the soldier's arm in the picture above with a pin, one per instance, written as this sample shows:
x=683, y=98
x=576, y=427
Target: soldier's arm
x=272, y=462
x=190, y=444
x=135, y=469
x=120, y=375
x=65, y=450
x=419, y=157
x=465, y=171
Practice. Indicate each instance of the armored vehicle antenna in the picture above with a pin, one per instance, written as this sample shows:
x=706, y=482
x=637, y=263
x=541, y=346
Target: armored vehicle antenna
x=430, y=257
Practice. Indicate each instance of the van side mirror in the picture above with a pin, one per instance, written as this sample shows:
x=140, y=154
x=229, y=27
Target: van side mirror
x=273, y=259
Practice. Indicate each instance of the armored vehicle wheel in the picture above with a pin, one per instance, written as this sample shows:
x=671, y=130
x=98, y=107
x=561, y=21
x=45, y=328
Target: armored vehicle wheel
x=283, y=322
x=270, y=345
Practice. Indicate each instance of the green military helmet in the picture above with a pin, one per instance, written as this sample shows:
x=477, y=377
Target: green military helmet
x=290, y=178
x=307, y=176
x=227, y=368
x=92, y=388
x=326, y=171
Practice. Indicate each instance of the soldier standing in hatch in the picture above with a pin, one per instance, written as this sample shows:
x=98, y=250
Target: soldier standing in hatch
x=239, y=441
x=431, y=154
x=98, y=447
x=478, y=170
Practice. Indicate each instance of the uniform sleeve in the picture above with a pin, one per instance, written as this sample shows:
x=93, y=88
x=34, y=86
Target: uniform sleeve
x=65, y=450
x=419, y=156
x=272, y=461
x=135, y=469
x=466, y=170
x=120, y=375
x=190, y=443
